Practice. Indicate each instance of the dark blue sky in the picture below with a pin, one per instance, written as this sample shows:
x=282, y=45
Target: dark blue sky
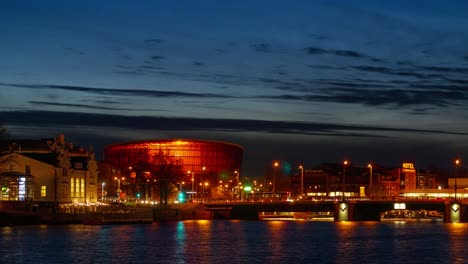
x=302, y=81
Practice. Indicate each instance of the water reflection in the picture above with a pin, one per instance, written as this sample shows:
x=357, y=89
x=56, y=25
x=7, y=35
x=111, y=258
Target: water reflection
x=237, y=242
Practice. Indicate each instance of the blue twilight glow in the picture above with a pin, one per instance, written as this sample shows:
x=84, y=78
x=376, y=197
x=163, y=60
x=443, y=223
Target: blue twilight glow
x=303, y=81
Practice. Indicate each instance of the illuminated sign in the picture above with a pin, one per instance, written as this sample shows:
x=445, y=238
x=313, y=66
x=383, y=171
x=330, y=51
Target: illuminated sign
x=409, y=167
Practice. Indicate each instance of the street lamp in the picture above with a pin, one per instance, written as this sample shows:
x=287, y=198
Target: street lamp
x=237, y=182
x=202, y=175
x=203, y=189
x=370, y=179
x=457, y=164
x=345, y=163
x=276, y=164
x=193, y=183
x=302, y=180
x=118, y=186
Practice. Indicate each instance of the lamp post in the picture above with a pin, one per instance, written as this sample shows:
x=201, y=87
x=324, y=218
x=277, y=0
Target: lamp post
x=457, y=163
x=345, y=163
x=193, y=183
x=237, y=183
x=103, y=196
x=276, y=164
x=370, y=179
x=302, y=180
x=203, y=189
x=201, y=181
x=118, y=186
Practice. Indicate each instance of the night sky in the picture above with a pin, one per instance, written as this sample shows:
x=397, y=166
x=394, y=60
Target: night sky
x=298, y=81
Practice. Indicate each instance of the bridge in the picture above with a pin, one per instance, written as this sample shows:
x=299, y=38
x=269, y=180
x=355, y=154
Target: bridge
x=346, y=210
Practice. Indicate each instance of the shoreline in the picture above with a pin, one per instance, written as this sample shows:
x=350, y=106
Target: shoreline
x=106, y=215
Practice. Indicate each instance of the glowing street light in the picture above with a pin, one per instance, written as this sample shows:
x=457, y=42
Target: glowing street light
x=302, y=180
x=118, y=186
x=203, y=189
x=457, y=164
x=370, y=179
x=193, y=182
x=345, y=163
x=276, y=164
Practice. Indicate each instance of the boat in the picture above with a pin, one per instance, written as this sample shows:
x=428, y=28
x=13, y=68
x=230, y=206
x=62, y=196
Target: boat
x=298, y=216
x=412, y=215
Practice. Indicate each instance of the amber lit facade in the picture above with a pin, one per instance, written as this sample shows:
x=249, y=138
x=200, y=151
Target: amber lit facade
x=219, y=159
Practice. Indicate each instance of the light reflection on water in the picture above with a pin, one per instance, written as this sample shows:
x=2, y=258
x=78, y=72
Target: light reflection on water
x=235, y=241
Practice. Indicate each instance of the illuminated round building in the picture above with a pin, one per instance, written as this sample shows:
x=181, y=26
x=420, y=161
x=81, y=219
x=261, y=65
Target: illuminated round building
x=206, y=160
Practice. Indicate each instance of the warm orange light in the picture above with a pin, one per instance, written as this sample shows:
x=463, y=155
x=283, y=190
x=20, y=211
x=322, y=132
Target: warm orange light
x=300, y=167
x=276, y=164
x=345, y=162
x=369, y=165
x=203, y=168
x=457, y=162
x=206, y=183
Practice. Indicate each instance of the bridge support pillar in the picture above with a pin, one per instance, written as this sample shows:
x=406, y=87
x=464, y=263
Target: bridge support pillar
x=344, y=211
x=452, y=212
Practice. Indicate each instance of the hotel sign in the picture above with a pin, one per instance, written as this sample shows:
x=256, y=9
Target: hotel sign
x=408, y=167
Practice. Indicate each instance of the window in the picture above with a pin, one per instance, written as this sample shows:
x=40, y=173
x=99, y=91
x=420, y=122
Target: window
x=78, y=165
x=82, y=191
x=43, y=191
x=72, y=187
x=77, y=187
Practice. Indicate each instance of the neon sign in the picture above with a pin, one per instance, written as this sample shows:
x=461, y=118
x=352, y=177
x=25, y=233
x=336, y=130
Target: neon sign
x=408, y=166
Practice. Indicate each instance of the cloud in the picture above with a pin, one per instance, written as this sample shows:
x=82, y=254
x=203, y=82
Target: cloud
x=88, y=106
x=157, y=57
x=262, y=47
x=343, y=53
x=48, y=118
x=197, y=63
x=119, y=92
x=444, y=69
x=154, y=41
x=408, y=72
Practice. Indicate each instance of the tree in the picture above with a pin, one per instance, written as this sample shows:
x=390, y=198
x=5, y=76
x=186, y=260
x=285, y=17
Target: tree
x=163, y=167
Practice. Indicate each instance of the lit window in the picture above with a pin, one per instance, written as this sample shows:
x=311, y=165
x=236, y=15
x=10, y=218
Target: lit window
x=77, y=187
x=43, y=191
x=82, y=188
x=72, y=187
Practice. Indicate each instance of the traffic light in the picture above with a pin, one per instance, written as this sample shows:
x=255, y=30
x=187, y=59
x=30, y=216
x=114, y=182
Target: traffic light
x=181, y=197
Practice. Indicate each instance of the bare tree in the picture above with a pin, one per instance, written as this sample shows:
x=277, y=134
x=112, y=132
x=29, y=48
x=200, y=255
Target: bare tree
x=163, y=167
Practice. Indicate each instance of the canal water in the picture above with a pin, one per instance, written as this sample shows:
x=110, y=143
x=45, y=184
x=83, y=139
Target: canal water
x=231, y=241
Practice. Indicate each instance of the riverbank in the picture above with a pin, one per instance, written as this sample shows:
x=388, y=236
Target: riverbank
x=106, y=214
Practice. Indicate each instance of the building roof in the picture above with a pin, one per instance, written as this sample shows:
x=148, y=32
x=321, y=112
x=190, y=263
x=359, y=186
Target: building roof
x=174, y=140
